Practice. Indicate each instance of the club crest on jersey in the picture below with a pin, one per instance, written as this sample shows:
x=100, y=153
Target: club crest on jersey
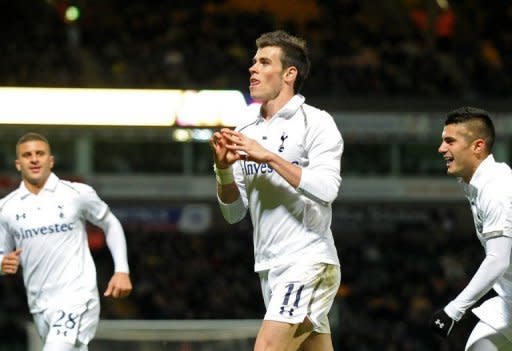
x=284, y=136
x=61, y=214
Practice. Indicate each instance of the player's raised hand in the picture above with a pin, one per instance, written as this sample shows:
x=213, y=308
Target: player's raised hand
x=11, y=262
x=246, y=148
x=223, y=156
x=119, y=285
x=441, y=323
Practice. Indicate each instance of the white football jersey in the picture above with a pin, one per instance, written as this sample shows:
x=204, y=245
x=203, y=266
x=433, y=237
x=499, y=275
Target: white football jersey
x=490, y=196
x=49, y=227
x=291, y=225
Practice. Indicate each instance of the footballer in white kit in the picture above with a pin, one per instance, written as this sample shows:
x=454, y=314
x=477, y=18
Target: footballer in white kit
x=48, y=228
x=282, y=166
x=468, y=138
x=291, y=221
x=291, y=227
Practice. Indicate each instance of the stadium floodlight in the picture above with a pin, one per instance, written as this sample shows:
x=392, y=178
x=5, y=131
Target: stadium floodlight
x=119, y=107
x=211, y=107
x=72, y=14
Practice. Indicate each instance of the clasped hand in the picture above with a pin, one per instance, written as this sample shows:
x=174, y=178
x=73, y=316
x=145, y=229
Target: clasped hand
x=229, y=146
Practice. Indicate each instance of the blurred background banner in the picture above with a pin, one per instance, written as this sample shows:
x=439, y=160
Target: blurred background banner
x=187, y=218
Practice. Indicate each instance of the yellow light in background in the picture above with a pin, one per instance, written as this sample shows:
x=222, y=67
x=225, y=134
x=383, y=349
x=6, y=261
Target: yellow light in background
x=211, y=108
x=72, y=14
x=119, y=107
x=182, y=135
x=444, y=4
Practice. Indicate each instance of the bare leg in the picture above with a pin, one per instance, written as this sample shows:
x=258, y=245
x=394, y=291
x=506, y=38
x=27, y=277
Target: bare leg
x=279, y=336
x=317, y=342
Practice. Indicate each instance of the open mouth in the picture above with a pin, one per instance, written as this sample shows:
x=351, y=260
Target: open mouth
x=253, y=82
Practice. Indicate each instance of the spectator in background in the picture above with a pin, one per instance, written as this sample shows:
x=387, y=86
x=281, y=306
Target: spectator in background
x=42, y=226
x=283, y=165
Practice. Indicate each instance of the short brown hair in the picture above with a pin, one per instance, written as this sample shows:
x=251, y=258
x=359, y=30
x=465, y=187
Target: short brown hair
x=31, y=136
x=294, y=53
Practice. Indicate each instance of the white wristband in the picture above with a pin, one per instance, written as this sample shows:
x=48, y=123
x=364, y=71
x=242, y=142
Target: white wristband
x=224, y=176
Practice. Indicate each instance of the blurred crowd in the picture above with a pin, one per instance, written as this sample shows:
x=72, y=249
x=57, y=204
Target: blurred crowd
x=422, y=48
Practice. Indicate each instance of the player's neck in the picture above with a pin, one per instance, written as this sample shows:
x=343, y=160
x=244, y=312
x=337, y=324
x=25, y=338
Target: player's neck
x=34, y=188
x=271, y=107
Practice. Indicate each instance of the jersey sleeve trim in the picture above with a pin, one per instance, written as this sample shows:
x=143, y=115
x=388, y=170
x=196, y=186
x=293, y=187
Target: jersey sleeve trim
x=494, y=234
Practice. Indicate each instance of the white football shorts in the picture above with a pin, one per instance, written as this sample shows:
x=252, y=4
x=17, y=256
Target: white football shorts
x=296, y=291
x=70, y=324
x=497, y=313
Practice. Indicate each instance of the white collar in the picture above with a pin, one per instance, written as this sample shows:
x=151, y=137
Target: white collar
x=290, y=108
x=480, y=176
x=50, y=185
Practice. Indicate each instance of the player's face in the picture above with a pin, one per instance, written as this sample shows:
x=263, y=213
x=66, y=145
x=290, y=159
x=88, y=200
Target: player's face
x=35, y=162
x=457, y=149
x=267, y=74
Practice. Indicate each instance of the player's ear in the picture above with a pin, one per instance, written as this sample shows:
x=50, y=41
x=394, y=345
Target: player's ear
x=17, y=164
x=52, y=161
x=290, y=73
x=479, y=146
